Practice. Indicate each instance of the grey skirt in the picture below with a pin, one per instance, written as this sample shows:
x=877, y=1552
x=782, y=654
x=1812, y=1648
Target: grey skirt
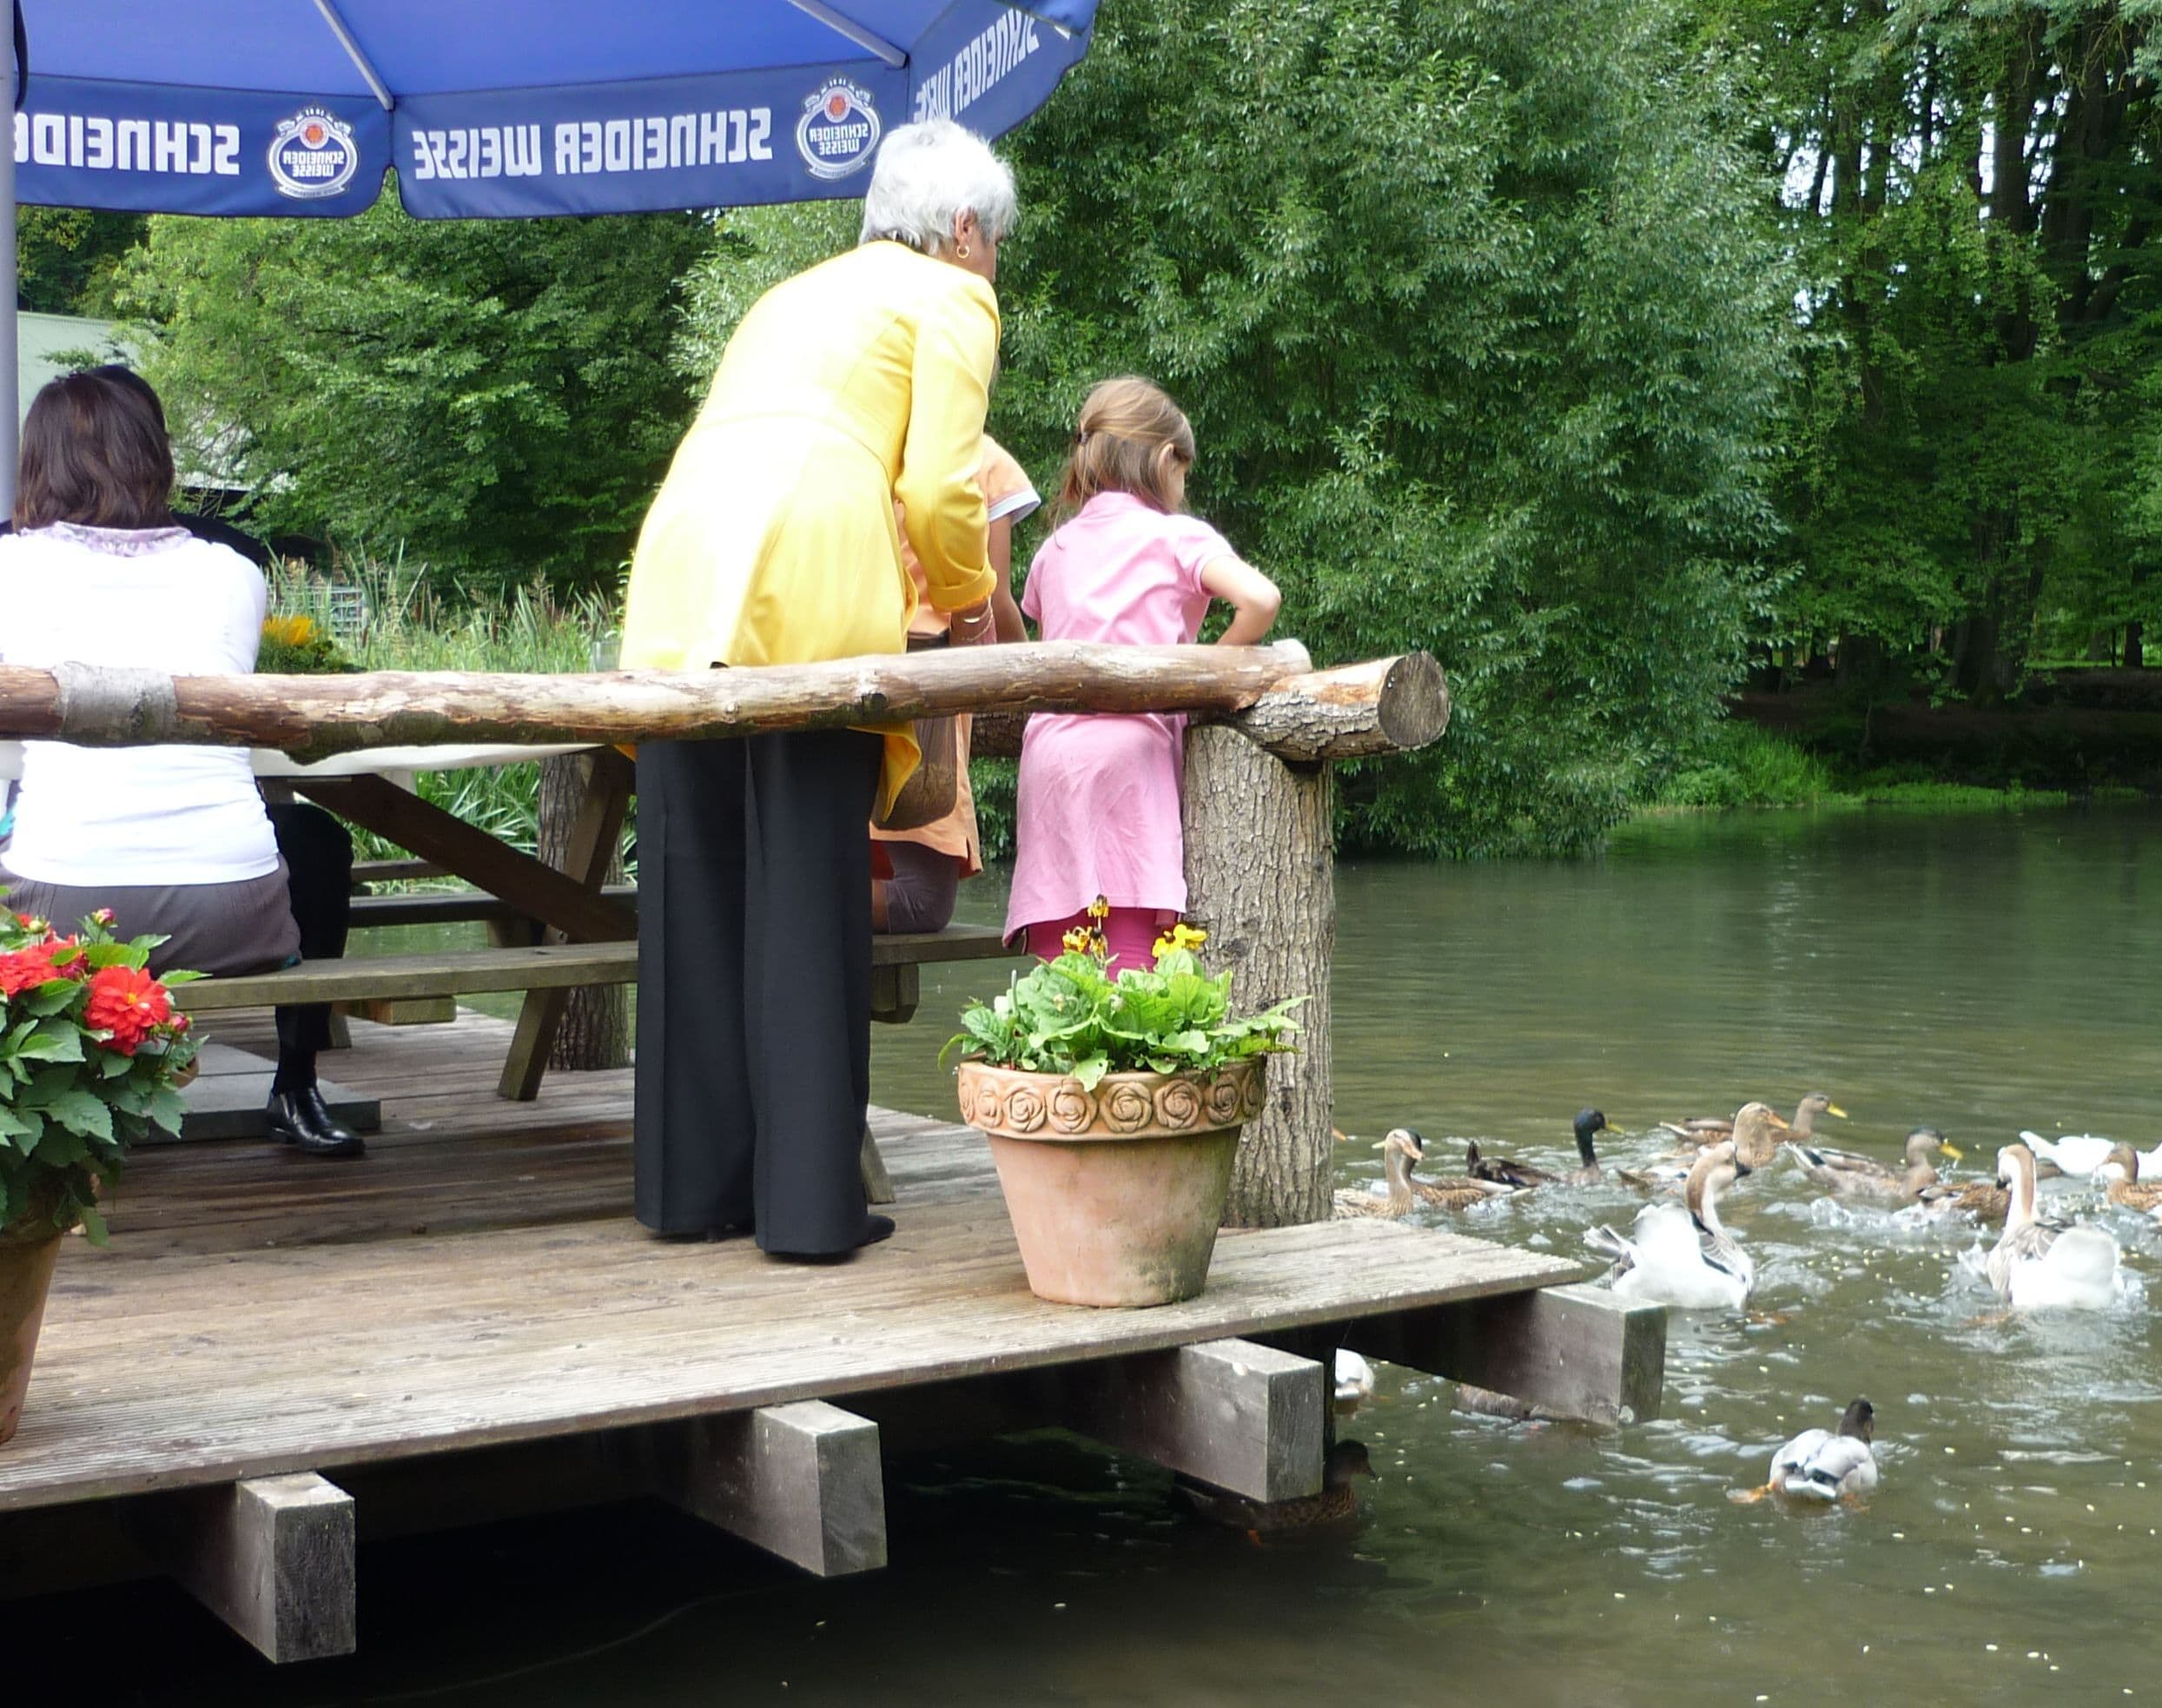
x=243, y=927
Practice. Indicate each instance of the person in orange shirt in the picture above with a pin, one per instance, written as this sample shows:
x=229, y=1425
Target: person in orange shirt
x=923, y=868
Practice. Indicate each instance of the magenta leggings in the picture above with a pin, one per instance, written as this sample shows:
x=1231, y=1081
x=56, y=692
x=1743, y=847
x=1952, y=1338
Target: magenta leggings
x=1130, y=932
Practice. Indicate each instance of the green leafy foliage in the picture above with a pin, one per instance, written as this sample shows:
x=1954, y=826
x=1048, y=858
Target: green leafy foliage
x=1071, y=1016
x=90, y=1048
x=1970, y=193
x=491, y=392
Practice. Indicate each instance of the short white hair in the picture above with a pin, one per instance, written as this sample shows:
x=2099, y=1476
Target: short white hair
x=926, y=176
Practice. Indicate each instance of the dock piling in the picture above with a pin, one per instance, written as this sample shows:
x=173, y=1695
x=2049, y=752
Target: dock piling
x=1233, y=1413
x=273, y=1557
x=1572, y=1351
x=804, y=1481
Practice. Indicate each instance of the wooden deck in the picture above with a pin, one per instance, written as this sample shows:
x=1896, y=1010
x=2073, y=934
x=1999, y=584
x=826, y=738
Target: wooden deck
x=477, y=1282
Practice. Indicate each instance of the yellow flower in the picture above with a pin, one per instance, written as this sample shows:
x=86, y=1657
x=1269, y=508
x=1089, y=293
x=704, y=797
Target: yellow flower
x=1180, y=936
x=1100, y=909
x=1077, y=940
x=292, y=630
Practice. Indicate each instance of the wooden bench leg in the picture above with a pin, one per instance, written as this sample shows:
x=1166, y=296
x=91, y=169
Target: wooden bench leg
x=878, y=1183
x=592, y=849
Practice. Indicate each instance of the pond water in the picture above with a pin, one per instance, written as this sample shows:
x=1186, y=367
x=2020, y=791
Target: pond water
x=1984, y=973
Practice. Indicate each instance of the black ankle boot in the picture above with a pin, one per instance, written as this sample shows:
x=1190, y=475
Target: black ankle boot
x=303, y=1120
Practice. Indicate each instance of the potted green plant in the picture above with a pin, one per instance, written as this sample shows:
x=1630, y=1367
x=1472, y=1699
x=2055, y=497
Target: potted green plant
x=92, y=1055
x=1114, y=1106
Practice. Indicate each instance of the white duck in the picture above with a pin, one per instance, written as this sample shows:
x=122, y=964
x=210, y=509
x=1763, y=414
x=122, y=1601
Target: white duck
x=1354, y=1380
x=1830, y=1464
x=2080, y=1153
x=1681, y=1256
x=2035, y=1266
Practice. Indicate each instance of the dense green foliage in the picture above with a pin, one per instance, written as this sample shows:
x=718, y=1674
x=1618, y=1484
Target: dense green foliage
x=492, y=393
x=65, y=257
x=1604, y=350
x=1972, y=192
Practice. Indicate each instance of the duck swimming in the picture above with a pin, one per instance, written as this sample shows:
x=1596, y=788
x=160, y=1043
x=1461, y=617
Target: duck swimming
x=1346, y=1463
x=1826, y=1464
x=1702, y=1129
x=1399, y=1151
x=1984, y=1200
x=1847, y=1174
x=1590, y=1171
x=1683, y=1257
x=2122, y=1186
x=2035, y=1266
x=2080, y=1153
x=1502, y=1171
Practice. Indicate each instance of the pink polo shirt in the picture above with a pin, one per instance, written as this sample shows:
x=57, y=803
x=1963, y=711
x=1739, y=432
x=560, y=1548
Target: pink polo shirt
x=1097, y=812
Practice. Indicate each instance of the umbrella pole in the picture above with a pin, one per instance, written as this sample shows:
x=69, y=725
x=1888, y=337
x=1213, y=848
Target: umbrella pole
x=10, y=347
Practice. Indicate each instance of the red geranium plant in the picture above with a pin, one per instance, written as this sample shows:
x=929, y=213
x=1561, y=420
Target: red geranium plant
x=90, y=1050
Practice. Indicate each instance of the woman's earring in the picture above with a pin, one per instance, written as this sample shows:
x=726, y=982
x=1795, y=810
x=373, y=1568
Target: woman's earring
x=961, y=250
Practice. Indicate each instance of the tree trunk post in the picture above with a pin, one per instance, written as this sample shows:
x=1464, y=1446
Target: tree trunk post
x=1261, y=871
x=595, y=1030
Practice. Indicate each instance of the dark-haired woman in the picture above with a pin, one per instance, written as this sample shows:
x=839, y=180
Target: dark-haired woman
x=176, y=840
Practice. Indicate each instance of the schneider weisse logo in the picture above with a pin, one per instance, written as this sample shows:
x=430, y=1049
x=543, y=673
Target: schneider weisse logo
x=838, y=132
x=313, y=155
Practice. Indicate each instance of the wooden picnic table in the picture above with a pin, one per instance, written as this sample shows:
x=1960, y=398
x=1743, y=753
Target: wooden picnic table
x=588, y=933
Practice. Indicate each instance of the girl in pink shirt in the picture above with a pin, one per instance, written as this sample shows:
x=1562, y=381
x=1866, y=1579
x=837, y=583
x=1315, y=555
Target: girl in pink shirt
x=1098, y=809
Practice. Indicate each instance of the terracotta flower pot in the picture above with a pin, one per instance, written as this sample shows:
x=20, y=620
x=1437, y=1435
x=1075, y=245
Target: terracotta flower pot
x=1115, y=1194
x=28, y=1251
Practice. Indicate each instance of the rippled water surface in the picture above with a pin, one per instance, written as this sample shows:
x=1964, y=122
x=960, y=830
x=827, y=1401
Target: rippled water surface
x=1982, y=973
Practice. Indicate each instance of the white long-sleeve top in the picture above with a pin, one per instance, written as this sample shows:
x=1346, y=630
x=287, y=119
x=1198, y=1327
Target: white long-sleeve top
x=155, y=599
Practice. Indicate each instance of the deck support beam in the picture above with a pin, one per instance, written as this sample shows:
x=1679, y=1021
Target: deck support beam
x=273, y=1557
x=1573, y=1351
x=804, y=1481
x=1233, y=1413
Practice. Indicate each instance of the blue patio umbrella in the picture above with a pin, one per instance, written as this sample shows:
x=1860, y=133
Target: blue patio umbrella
x=495, y=109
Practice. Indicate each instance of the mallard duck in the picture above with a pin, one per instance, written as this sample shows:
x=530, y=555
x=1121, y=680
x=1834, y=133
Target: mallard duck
x=2035, y=1266
x=1701, y=1130
x=1826, y=1464
x=1399, y=1151
x=1590, y=1171
x=2080, y=1153
x=1502, y=1171
x=1847, y=1174
x=2121, y=1185
x=1684, y=1257
x=1984, y=1200
x=1354, y=1379
x=1339, y=1499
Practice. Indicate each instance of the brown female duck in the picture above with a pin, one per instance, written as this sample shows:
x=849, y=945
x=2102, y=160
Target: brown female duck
x=1700, y=1131
x=1847, y=1174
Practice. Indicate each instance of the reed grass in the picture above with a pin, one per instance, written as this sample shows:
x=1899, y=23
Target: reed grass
x=406, y=622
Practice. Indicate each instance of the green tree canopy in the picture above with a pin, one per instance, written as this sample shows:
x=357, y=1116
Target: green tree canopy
x=493, y=396
x=1971, y=191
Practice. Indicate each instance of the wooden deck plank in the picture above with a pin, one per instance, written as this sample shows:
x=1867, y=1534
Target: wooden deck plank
x=261, y=1314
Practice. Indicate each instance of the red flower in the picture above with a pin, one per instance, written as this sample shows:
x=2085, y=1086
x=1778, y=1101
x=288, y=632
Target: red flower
x=25, y=968
x=127, y=1003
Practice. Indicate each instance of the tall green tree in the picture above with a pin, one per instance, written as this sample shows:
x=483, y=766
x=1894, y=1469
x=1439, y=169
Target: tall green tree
x=1482, y=327
x=1972, y=192
x=492, y=396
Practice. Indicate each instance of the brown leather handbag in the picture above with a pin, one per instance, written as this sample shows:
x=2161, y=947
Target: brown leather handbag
x=935, y=785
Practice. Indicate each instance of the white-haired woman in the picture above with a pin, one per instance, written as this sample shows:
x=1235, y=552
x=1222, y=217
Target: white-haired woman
x=855, y=384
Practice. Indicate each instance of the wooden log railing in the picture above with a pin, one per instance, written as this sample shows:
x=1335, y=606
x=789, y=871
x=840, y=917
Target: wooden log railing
x=1260, y=864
